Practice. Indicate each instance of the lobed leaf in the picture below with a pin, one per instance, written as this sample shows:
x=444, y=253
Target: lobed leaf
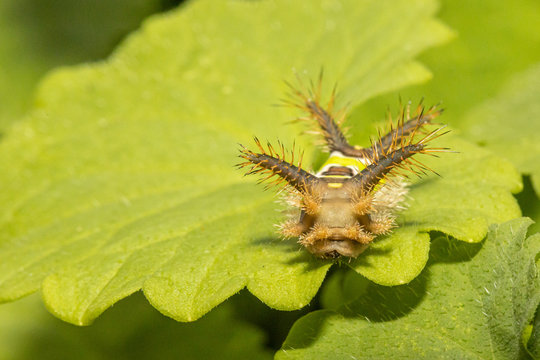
x=122, y=179
x=471, y=302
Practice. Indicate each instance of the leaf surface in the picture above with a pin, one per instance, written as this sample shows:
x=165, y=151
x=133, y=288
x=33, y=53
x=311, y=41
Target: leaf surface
x=473, y=301
x=533, y=342
x=472, y=192
x=509, y=125
x=469, y=69
x=122, y=178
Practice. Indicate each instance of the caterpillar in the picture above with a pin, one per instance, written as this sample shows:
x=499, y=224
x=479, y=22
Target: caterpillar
x=355, y=195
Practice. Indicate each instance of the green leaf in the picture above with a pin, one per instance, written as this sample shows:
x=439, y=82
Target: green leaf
x=472, y=192
x=509, y=125
x=130, y=330
x=533, y=343
x=36, y=36
x=472, y=301
x=122, y=178
x=470, y=70
x=341, y=286
x=530, y=204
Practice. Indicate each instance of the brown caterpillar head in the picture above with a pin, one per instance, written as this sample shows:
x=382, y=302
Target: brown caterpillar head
x=343, y=222
x=355, y=196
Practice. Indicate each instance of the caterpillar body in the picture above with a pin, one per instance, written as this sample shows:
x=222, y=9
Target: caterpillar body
x=355, y=195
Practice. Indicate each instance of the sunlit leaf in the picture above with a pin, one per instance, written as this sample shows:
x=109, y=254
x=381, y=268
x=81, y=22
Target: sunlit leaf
x=122, y=178
x=471, y=302
x=472, y=192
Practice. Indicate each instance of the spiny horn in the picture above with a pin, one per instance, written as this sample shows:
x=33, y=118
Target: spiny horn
x=273, y=163
x=365, y=180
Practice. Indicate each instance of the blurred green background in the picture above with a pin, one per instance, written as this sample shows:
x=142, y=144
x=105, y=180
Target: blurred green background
x=37, y=36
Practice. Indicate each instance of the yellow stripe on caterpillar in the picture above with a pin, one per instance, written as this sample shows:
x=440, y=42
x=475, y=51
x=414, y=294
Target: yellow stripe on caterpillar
x=337, y=159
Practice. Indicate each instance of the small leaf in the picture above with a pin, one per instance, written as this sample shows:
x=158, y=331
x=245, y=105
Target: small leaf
x=472, y=301
x=122, y=178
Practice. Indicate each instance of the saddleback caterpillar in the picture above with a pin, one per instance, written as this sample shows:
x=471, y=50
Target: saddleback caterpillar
x=357, y=192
